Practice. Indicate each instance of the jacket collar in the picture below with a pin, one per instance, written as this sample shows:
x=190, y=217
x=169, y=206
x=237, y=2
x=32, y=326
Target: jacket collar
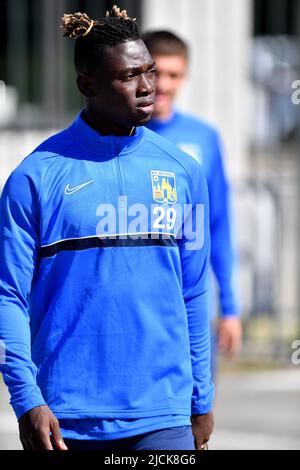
x=108, y=145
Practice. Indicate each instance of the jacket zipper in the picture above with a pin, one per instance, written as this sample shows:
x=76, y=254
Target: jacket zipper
x=121, y=203
x=120, y=179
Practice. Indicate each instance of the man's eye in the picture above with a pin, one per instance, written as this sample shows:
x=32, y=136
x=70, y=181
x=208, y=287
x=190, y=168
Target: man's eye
x=152, y=71
x=128, y=77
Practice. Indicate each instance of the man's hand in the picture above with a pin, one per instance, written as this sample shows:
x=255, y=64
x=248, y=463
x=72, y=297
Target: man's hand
x=202, y=427
x=35, y=426
x=230, y=335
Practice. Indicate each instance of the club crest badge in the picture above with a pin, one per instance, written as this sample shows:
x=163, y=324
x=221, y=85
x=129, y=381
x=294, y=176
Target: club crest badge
x=164, y=187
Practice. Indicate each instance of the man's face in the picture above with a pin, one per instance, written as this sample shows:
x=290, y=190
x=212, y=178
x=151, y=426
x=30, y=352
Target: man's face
x=170, y=75
x=125, y=86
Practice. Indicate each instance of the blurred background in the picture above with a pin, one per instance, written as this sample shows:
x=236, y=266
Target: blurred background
x=245, y=64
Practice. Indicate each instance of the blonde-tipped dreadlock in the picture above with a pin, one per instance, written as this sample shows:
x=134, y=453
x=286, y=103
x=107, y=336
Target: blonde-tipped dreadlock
x=116, y=11
x=79, y=24
x=76, y=24
x=93, y=36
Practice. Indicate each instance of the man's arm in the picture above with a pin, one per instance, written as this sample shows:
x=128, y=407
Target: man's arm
x=19, y=245
x=195, y=255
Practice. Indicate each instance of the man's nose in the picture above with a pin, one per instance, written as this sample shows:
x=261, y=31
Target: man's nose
x=146, y=85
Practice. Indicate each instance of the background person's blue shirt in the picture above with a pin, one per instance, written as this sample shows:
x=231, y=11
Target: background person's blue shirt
x=202, y=142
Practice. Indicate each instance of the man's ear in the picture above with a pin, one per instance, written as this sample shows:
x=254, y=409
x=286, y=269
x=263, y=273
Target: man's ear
x=86, y=85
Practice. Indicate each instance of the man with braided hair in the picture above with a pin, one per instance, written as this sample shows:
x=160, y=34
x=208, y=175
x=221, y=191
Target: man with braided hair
x=103, y=275
x=201, y=141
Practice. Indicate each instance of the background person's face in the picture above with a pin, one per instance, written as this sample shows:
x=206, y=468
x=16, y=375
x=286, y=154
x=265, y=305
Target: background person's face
x=171, y=72
x=126, y=86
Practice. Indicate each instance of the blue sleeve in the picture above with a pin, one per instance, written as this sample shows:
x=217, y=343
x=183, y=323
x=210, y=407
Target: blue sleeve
x=19, y=244
x=223, y=256
x=195, y=254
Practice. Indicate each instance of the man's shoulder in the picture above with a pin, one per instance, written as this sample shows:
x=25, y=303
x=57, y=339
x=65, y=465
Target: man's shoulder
x=34, y=164
x=170, y=151
x=54, y=144
x=166, y=147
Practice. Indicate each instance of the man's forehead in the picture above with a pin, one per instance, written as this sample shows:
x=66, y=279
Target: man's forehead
x=129, y=54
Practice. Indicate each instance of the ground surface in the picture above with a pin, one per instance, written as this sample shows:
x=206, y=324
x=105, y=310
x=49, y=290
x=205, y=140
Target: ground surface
x=254, y=410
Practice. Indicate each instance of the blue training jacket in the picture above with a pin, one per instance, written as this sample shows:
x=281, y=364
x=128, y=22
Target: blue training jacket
x=97, y=326
x=202, y=142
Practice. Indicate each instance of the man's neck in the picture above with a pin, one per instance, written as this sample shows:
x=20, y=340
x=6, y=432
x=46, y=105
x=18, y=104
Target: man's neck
x=103, y=127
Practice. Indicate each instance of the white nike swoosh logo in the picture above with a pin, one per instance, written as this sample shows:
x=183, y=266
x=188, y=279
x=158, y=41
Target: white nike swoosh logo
x=69, y=190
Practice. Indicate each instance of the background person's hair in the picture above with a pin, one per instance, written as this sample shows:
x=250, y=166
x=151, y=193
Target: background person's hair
x=165, y=42
x=94, y=36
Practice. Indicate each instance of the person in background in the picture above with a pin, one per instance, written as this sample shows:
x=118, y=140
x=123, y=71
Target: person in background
x=202, y=142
